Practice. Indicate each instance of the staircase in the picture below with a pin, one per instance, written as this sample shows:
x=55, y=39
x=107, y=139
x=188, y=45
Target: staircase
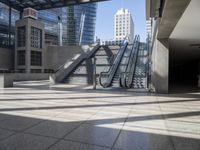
x=71, y=65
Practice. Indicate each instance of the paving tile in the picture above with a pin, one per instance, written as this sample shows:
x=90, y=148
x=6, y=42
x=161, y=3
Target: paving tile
x=5, y=133
x=53, y=128
x=137, y=140
x=69, y=145
x=26, y=142
x=4, y=116
x=183, y=127
x=74, y=116
x=94, y=135
x=186, y=143
x=18, y=123
x=148, y=127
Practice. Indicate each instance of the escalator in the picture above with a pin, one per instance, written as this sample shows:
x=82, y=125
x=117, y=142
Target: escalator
x=127, y=77
x=140, y=73
x=122, y=80
x=111, y=77
x=70, y=66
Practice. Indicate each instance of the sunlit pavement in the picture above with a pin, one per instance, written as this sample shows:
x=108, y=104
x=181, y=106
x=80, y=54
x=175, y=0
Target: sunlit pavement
x=37, y=116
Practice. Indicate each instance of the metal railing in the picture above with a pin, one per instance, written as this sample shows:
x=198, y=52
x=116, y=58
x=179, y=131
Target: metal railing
x=68, y=67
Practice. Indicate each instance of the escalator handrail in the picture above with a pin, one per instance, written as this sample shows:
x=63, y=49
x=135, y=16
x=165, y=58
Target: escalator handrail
x=112, y=70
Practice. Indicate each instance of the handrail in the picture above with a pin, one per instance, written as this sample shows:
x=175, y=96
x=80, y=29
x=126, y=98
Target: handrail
x=123, y=74
x=131, y=73
x=61, y=66
x=59, y=76
x=112, y=70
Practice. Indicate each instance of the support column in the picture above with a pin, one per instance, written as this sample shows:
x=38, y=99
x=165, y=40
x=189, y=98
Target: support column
x=160, y=66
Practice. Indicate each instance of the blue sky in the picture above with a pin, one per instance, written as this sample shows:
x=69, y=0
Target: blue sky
x=105, y=17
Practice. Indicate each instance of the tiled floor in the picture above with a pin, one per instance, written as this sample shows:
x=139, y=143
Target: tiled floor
x=37, y=116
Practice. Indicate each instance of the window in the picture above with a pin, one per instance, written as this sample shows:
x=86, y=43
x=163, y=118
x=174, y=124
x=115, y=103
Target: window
x=21, y=57
x=21, y=36
x=36, y=58
x=36, y=70
x=36, y=37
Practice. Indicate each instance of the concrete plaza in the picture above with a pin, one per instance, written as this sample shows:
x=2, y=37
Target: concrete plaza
x=38, y=116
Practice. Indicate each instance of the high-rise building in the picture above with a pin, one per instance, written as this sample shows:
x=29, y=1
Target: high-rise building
x=124, y=25
x=81, y=23
x=4, y=21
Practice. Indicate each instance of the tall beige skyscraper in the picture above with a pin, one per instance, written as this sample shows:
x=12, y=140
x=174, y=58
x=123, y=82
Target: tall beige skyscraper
x=124, y=25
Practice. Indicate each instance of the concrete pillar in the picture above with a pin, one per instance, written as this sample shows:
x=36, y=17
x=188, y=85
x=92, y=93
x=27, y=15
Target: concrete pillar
x=89, y=71
x=160, y=66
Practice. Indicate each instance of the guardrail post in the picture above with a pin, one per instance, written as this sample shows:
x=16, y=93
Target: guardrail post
x=94, y=73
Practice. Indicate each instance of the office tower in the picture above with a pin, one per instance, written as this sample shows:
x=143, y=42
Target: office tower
x=81, y=23
x=124, y=25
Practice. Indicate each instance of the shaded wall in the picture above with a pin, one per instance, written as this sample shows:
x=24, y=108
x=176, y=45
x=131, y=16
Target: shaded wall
x=55, y=56
x=6, y=58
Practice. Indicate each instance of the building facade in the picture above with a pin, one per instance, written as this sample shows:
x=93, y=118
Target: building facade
x=124, y=25
x=81, y=23
x=51, y=18
x=4, y=22
x=148, y=27
x=111, y=42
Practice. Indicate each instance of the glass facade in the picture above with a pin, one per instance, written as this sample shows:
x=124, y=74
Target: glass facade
x=88, y=24
x=4, y=22
x=71, y=22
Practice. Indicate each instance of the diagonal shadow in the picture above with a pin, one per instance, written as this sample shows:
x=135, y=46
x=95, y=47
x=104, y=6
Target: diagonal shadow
x=85, y=106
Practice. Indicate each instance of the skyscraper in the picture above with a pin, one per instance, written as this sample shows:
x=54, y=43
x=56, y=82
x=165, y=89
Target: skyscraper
x=81, y=24
x=124, y=25
x=71, y=19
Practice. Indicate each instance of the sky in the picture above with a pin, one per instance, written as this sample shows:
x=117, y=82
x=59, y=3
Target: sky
x=105, y=17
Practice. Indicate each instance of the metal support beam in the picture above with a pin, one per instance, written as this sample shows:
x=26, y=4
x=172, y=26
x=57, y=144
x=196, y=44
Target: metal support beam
x=46, y=4
x=20, y=15
x=9, y=27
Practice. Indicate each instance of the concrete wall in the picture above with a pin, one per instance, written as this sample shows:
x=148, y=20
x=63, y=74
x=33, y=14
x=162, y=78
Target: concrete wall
x=160, y=66
x=6, y=58
x=55, y=56
x=30, y=76
x=6, y=80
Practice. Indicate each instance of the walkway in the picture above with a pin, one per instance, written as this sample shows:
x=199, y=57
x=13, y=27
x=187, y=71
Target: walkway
x=36, y=116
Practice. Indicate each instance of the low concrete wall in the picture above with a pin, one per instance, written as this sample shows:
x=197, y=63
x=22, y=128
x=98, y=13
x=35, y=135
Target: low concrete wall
x=31, y=76
x=6, y=58
x=6, y=80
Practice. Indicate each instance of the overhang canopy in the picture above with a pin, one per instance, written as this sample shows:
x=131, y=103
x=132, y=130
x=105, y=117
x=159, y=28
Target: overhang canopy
x=44, y=4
